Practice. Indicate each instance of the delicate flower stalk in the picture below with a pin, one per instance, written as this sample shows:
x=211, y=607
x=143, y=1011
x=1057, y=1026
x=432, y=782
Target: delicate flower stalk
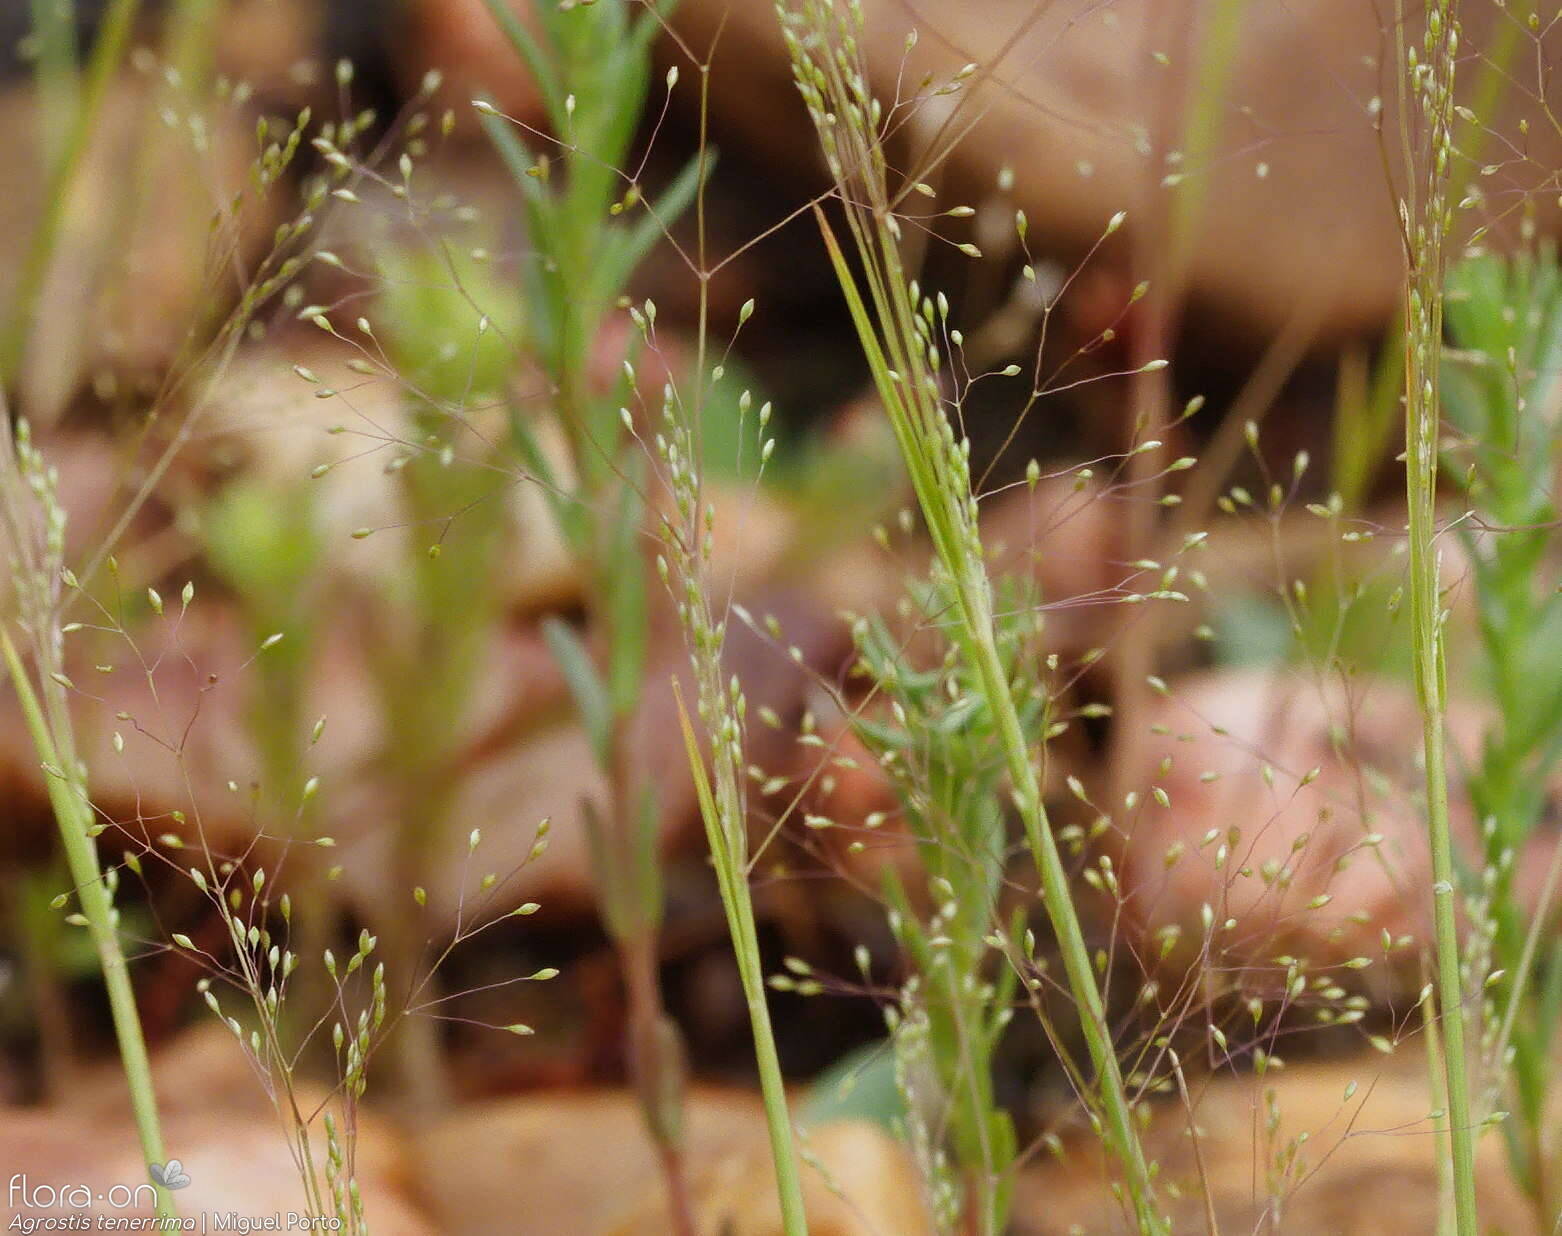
x=1426, y=216
x=896, y=332
x=725, y=819
x=27, y=492
x=721, y=707
x=261, y=970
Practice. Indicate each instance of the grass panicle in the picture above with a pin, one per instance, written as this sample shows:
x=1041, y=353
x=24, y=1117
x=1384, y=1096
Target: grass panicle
x=895, y=325
x=685, y=567
x=33, y=522
x=1426, y=217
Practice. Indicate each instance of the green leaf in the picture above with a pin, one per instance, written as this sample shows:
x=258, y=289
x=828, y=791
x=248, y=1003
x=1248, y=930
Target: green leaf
x=627, y=611
x=542, y=294
x=538, y=62
x=572, y=518
x=610, y=100
x=727, y=874
x=860, y=1085
x=615, y=893
x=591, y=699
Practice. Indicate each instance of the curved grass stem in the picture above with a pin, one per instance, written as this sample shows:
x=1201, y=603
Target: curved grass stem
x=721, y=811
x=67, y=796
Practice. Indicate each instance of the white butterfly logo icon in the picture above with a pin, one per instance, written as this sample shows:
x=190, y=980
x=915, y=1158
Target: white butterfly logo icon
x=170, y=1175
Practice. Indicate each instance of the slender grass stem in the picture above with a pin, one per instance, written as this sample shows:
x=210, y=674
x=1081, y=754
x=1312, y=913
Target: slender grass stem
x=724, y=809
x=74, y=817
x=1058, y=900
x=722, y=813
x=951, y=524
x=1427, y=224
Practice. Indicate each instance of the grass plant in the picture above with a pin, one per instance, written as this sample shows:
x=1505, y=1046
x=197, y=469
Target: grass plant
x=34, y=525
x=894, y=323
x=47, y=589
x=1499, y=384
x=723, y=790
x=941, y=751
x=959, y=719
x=589, y=230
